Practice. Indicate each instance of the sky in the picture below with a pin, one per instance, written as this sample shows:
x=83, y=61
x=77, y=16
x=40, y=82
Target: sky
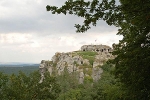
x=28, y=33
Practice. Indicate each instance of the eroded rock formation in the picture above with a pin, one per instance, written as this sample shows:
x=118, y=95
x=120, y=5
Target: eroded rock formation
x=42, y=69
x=86, y=62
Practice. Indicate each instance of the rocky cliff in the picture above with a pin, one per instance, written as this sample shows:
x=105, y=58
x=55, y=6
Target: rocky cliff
x=86, y=62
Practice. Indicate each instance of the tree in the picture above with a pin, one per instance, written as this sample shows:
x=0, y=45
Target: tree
x=108, y=88
x=90, y=11
x=22, y=87
x=3, y=85
x=132, y=62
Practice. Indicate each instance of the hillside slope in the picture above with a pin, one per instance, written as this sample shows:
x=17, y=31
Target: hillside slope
x=86, y=62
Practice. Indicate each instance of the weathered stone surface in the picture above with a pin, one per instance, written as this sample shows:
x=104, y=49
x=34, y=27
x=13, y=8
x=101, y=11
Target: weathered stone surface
x=81, y=77
x=86, y=61
x=42, y=69
x=78, y=59
x=97, y=48
x=96, y=73
x=73, y=62
x=50, y=69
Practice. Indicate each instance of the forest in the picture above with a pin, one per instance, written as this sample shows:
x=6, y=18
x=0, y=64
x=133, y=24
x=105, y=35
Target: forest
x=132, y=18
x=64, y=87
x=126, y=77
x=15, y=70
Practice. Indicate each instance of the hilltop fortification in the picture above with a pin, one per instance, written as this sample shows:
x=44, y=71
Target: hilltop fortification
x=86, y=62
x=96, y=48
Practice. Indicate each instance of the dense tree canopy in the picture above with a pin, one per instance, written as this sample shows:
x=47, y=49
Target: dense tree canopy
x=132, y=17
x=63, y=87
x=23, y=87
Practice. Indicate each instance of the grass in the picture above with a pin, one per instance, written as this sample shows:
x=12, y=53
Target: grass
x=88, y=55
x=88, y=72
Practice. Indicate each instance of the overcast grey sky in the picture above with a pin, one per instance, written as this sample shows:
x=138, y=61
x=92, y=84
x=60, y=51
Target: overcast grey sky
x=28, y=33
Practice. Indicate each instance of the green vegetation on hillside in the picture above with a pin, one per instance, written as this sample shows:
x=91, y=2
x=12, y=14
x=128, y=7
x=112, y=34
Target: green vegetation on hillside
x=63, y=87
x=107, y=88
x=132, y=18
x=15, y=70
x=22, y=87
x=87, y=55
x=128, y=77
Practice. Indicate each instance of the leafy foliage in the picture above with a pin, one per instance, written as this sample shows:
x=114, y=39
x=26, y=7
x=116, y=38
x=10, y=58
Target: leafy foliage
x=22, y=87
x=131, y=65
x=91, y=11
x=3, y=84
x=63, y=87
x=132, y=62
x=108, y=88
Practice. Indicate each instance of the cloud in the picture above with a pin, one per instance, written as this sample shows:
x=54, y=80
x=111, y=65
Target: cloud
x=28, y=33
x=15, y=38
x=29, y=44
x=31, y=16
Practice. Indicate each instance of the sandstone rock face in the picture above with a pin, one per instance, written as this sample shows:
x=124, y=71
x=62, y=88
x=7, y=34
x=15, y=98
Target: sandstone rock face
x=86, y=62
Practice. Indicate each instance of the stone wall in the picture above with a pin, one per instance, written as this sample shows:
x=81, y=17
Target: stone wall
x=96, y=48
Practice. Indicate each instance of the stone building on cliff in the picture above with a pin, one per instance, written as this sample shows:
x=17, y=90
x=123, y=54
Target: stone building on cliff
x=86, y=62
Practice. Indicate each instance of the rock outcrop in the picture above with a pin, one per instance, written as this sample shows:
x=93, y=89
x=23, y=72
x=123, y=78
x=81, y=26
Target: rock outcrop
x=42, y=69
x=86, y=62
x=96, y=48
